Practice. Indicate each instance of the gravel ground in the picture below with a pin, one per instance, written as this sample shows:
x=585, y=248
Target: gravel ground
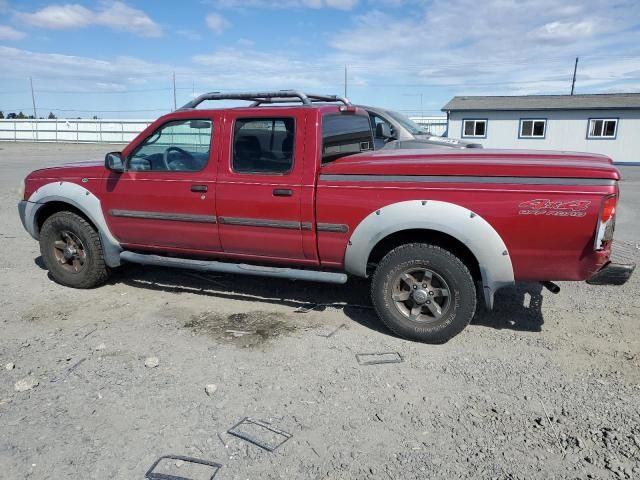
x=546, y=386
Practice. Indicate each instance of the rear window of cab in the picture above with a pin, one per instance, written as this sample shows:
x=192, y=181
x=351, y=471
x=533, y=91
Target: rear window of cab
x=345, y=134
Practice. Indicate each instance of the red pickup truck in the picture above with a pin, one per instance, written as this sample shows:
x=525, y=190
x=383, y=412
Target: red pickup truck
x=279, y=189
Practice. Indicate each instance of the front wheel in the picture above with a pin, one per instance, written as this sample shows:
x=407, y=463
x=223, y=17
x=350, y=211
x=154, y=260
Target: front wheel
x=423, y=292
x=72, y=251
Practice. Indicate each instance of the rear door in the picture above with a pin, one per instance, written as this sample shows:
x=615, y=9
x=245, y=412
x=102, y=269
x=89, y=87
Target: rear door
x=259, y=190
x=166, y=197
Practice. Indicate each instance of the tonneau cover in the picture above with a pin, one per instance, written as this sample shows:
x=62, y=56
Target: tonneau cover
x=476, y=162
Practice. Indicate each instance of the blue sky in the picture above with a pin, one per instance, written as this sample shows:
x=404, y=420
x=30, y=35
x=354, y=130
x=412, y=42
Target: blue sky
x=116, y=58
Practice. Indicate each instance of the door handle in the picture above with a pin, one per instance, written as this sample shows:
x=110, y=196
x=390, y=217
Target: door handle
x=282, y=192
x=199, y=188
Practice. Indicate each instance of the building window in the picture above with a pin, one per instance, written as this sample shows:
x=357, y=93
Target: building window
x=474, y=128
x=533, y=128
x=602, y=128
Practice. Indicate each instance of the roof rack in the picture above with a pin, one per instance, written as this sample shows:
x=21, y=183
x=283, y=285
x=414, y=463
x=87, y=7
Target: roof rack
x=259, y=98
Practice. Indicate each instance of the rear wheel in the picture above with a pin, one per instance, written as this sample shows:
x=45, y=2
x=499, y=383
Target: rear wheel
x=72, y=251
x=423, y=292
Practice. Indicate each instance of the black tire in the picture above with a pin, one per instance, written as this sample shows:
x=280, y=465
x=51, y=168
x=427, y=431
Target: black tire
x=86, y=267
x=446, y=315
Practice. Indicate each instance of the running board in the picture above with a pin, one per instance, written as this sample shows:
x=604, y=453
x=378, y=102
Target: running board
x=239, y=268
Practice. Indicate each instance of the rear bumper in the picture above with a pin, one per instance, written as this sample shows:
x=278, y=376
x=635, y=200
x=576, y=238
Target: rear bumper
x=612, y=274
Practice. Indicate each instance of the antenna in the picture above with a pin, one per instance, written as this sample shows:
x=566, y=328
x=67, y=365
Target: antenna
x=35, y=113
x=345, y=82
x=174, y=91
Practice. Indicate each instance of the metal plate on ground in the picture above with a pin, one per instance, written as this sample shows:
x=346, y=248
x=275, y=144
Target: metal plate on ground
x=379, y=358
x=177, y=467
x=260, y=433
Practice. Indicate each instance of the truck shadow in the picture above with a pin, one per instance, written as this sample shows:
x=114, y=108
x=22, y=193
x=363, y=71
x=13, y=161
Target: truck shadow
x=517, y=308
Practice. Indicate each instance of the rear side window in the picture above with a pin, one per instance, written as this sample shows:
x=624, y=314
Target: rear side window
x=263, y=145
x=345, y=134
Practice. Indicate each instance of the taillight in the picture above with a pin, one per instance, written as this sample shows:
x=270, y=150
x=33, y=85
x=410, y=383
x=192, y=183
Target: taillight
x=606, y=222
x=608, y=208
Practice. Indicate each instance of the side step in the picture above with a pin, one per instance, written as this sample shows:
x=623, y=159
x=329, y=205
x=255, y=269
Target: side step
x=239, y=268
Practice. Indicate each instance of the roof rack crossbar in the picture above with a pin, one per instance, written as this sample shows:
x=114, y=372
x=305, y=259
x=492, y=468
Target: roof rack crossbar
x=312, y=98
x=259, y=98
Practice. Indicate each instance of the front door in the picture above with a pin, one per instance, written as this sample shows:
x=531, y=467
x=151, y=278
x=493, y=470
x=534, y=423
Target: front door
x=259, y=191
x=166, y=196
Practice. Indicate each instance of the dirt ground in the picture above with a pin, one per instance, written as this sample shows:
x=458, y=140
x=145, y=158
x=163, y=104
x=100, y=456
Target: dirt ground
x=546, y=386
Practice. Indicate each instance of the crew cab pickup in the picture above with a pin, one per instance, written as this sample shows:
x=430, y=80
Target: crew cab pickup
x=290, y=186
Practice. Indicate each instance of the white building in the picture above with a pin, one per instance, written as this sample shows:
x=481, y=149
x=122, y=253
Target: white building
x=598, y=123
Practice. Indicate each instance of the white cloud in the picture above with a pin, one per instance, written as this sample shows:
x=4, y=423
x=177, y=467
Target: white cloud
x=116, y=15
x=10, y=33
x=564, y=32
x=495, y=46
x=120, y=16
x=59, y=17
x=217, y=23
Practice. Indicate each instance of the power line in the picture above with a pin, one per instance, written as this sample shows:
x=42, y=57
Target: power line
x=575, y=70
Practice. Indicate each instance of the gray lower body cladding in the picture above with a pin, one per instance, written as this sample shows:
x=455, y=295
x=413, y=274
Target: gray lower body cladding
x=22, y=209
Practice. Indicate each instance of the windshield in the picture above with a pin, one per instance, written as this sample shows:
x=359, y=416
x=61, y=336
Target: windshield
x=407, y=123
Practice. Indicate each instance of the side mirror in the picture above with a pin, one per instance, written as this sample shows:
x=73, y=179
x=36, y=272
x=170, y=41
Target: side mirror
x=383, y=131
x=113, y=161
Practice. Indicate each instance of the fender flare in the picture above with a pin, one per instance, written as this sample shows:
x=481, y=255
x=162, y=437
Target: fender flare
x=80, y=198
x=459, y=222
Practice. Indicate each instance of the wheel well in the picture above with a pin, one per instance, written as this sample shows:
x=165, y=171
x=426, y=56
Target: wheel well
x=50, y=208
x=433, y=237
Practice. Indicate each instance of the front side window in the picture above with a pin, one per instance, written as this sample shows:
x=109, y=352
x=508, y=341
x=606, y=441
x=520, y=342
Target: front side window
x=602, y=128
x=263, y=145
x=530, y=128
x=474, y=128
x=345, y=134
x=177, y=146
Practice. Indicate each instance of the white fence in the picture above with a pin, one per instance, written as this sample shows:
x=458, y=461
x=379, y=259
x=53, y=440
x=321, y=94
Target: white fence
x=71, y=130
x=113, y=131
x=435, y=125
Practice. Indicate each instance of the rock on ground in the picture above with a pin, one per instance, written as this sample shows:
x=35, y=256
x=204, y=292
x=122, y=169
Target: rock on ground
x=152, y=362
x=26, y=384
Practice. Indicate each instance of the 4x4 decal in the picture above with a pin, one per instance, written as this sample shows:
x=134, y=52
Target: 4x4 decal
x=544, y=206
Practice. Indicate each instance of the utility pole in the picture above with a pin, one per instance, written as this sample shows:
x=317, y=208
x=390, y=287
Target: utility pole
x=575, y=70
x=345, y=81
x=35, y=113
x=174, y=91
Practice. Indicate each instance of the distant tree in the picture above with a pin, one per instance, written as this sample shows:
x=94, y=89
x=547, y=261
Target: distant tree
x=95, y=117
x=21, y=115
x=11, y=115
x=51, y=116
x=1, y=114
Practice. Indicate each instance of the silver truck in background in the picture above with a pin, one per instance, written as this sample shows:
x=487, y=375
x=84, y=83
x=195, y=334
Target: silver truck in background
x=393, y=130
